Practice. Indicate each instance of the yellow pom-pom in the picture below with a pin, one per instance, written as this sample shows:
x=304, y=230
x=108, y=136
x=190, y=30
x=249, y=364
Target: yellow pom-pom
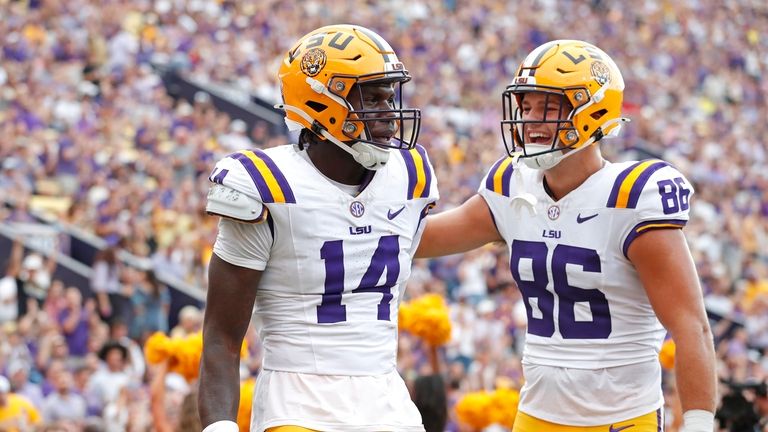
x=427, y=317
x=185, y=359
x=182, y=353
x=481, y=409
x=157, y=348
x=473, y=409
x=504, y=406
x=405, y=316
x=246, y=404
x=667, y=354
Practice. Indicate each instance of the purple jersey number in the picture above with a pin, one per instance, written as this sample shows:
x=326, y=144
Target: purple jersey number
x=674, y=195
x=567, y=295
x=385, y=258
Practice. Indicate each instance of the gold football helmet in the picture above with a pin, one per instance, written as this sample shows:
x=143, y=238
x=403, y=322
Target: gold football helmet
x=317, y=77
x=573, y=71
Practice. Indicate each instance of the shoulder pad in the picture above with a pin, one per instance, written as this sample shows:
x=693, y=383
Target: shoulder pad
x=226, y=202
x=254, y=173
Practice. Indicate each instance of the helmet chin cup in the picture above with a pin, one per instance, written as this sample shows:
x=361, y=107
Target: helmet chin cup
x=549, y=160
x=370, y=156
x=541, y=161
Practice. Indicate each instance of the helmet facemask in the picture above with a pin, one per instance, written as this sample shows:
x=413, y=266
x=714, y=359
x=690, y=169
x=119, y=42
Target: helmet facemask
x=515, y=129
x=365, y=123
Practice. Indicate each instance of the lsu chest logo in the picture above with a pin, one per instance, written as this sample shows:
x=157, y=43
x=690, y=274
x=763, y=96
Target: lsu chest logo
x=360, y=230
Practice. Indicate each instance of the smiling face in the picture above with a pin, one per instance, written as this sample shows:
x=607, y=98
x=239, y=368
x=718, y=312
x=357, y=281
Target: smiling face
x=542, y=113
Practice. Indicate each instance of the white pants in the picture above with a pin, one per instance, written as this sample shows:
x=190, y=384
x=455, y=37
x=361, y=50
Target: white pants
x=334, y=403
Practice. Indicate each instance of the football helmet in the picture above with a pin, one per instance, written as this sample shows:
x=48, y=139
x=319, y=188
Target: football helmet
x=564, y=70
x=317, y=77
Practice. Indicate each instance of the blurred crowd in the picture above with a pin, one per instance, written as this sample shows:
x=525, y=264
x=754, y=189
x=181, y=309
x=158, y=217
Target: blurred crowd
x=89, y=137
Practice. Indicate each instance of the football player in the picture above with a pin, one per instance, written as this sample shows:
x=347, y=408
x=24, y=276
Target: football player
x=596, y=249
x=319, y=236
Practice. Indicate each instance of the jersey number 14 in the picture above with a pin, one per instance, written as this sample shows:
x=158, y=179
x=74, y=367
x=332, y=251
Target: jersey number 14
x=385, y=258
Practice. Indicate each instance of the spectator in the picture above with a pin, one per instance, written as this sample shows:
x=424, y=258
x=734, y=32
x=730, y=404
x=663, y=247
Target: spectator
x=118, y=332
x=190, y=322
x=15, y=351
x=64, y=403
x=106, y=283
x=236, y=139
x=151, y=303
x=35, y=275
x=18, y=375
x=113, y=375
x=73, y=320
x=55, y=301
x=177, y=407
x=32, y=277
x=9, y=308
x=17, y=414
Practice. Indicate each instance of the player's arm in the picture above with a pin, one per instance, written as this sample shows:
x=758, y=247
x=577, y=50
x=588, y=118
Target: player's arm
x=667, y=272
x=229, y=303
x=461, y=229
x=240, y=255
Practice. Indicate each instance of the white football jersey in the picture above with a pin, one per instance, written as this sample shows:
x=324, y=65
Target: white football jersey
x=336, y=265
x=586, y=306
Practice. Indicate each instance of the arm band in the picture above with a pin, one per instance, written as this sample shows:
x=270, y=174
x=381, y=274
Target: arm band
x=222, y=426
x=698, y=421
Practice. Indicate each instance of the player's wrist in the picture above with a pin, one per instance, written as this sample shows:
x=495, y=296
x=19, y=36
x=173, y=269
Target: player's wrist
x=698, y=421
x=222, y=426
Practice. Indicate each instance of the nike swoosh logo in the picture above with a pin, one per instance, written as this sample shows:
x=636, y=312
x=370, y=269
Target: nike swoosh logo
x=391, y=215
x=580, y=219
x=613, y=429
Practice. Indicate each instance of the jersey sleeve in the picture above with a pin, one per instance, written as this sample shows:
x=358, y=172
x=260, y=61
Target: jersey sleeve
x=496, y=188
x=420, y=228
x=657, y=193
x=422, y=186
x=243, y=244
x=422, y=183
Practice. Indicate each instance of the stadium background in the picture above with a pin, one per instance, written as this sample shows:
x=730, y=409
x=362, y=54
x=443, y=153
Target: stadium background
x=113, y=112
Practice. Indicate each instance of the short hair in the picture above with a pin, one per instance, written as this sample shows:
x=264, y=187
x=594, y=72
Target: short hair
x=112, y=345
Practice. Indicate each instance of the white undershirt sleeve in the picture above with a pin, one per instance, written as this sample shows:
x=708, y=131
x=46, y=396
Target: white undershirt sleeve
x=242, y=244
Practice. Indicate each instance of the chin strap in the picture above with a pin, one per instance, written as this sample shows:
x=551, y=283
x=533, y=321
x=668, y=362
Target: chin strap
x=367, y=155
